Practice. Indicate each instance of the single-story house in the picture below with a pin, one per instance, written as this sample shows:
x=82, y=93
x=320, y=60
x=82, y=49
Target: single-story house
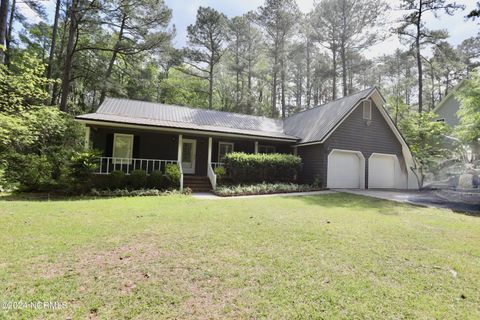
x=347, y=143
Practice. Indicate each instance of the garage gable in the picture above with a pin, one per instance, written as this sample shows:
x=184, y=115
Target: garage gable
x=367, y=136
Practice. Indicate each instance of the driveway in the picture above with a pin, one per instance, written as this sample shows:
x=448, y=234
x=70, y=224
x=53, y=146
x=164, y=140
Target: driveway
x=423, y=198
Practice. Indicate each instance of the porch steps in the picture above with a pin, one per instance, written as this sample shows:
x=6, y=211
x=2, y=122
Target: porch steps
x=197, y=183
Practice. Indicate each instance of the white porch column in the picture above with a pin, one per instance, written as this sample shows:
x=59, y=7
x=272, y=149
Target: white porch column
x=295, y=151
x=256, y=146
x=87, y=137
x=179, y=159
x=180, y=149
x=209, y=157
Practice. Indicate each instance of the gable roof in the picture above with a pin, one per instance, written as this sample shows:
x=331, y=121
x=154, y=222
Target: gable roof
x=449, y=95
x=172, y=116
x=311, y=125
x=314, y=124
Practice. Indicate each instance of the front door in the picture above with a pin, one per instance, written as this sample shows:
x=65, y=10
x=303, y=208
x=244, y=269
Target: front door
x=189, y=152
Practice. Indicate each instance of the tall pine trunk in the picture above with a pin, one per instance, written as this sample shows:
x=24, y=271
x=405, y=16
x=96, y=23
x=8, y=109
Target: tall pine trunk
x=274, y=85
x=334, y=74
x=67, y=68
x=8, y=40
x=61, y=50
x=343, y=55
x=54, y=40
x=116, y=49
x=4, y=4
x=210, y=84
x=419, y=66
x=282, y=87
x=308, y=62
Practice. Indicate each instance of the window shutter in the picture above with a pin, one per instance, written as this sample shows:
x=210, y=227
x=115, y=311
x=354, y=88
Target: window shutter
x=109, y=145
x=136, y=147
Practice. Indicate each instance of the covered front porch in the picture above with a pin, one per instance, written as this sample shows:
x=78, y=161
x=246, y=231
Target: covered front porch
x=129, y=148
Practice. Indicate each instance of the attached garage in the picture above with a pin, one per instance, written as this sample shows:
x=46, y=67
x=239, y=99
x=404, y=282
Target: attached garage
x=345, y=169
x=381, y=171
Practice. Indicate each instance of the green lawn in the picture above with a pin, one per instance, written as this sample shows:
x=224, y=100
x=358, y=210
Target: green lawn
x=329, y=256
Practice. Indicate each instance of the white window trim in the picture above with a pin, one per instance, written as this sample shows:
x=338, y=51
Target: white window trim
x=367, y=103
x=123, y=161
x=267, y=146
x=226, y=143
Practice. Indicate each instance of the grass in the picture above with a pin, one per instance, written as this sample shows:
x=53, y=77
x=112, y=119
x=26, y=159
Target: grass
x=321, y=257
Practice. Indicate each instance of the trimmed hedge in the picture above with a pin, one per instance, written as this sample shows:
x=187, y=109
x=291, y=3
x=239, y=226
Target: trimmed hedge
x=138, y=180
x=254, y=168
x=172, y=173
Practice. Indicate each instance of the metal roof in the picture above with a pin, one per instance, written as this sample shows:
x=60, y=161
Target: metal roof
x=314, y=124
x=162, y=115
x=307, y=126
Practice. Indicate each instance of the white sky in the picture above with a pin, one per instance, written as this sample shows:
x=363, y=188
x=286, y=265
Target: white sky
x=184, y=12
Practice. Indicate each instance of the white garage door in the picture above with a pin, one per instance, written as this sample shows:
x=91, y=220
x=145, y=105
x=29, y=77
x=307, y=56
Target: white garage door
x=344, y=169
x=381, y=171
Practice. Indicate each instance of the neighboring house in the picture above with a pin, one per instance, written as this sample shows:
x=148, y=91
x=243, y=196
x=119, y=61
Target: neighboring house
x=347, y=143
x=446, y=109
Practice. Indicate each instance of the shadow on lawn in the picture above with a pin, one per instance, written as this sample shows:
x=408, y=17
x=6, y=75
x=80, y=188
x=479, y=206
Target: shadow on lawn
x=45, y=197
x=355, y=202
x=386, y=207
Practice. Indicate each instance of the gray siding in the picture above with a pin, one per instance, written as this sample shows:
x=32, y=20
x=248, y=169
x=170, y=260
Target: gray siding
x=312, y=160
x=448, y=111
x=353, y=134
x=356, y=134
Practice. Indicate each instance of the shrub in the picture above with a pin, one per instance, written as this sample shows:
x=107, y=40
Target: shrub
x=137, y=179
x=82, y=167
x=220, y=173
x=251, y=168
x=262, y=188
x=134, y=193
x=30, y=172
x=157, y=180
x=36, y=146
x=116, y=180
x=172, y=174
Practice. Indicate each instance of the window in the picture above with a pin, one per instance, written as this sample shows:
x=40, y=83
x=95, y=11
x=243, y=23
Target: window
x=367, y=109
x=223, y=149
x=266, y=149
x=440, y=120
x=122, y=148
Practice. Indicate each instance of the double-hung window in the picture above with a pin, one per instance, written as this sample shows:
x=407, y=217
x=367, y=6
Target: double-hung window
x=223, y=149
x=266, y=149
x=122, y=148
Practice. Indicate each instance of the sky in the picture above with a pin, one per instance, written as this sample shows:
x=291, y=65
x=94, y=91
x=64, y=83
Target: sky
x=184, y=12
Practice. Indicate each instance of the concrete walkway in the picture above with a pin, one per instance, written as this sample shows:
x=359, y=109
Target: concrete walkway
x=422, y=198
x=211, y=196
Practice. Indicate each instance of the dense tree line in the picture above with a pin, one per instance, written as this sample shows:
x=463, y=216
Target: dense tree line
x=272, y=61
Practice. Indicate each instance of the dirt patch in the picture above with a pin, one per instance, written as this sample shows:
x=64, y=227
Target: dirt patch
x=130, y=268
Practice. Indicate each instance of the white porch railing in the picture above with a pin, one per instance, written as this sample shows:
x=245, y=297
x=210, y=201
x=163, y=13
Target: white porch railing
x=212, y=176
x=108, y=164
x=217, y=164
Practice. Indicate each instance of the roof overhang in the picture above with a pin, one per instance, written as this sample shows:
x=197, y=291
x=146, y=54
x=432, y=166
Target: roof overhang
x=250, y=136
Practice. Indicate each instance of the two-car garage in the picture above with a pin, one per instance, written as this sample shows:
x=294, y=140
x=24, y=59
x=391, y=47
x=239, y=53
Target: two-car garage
x=347, y=169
